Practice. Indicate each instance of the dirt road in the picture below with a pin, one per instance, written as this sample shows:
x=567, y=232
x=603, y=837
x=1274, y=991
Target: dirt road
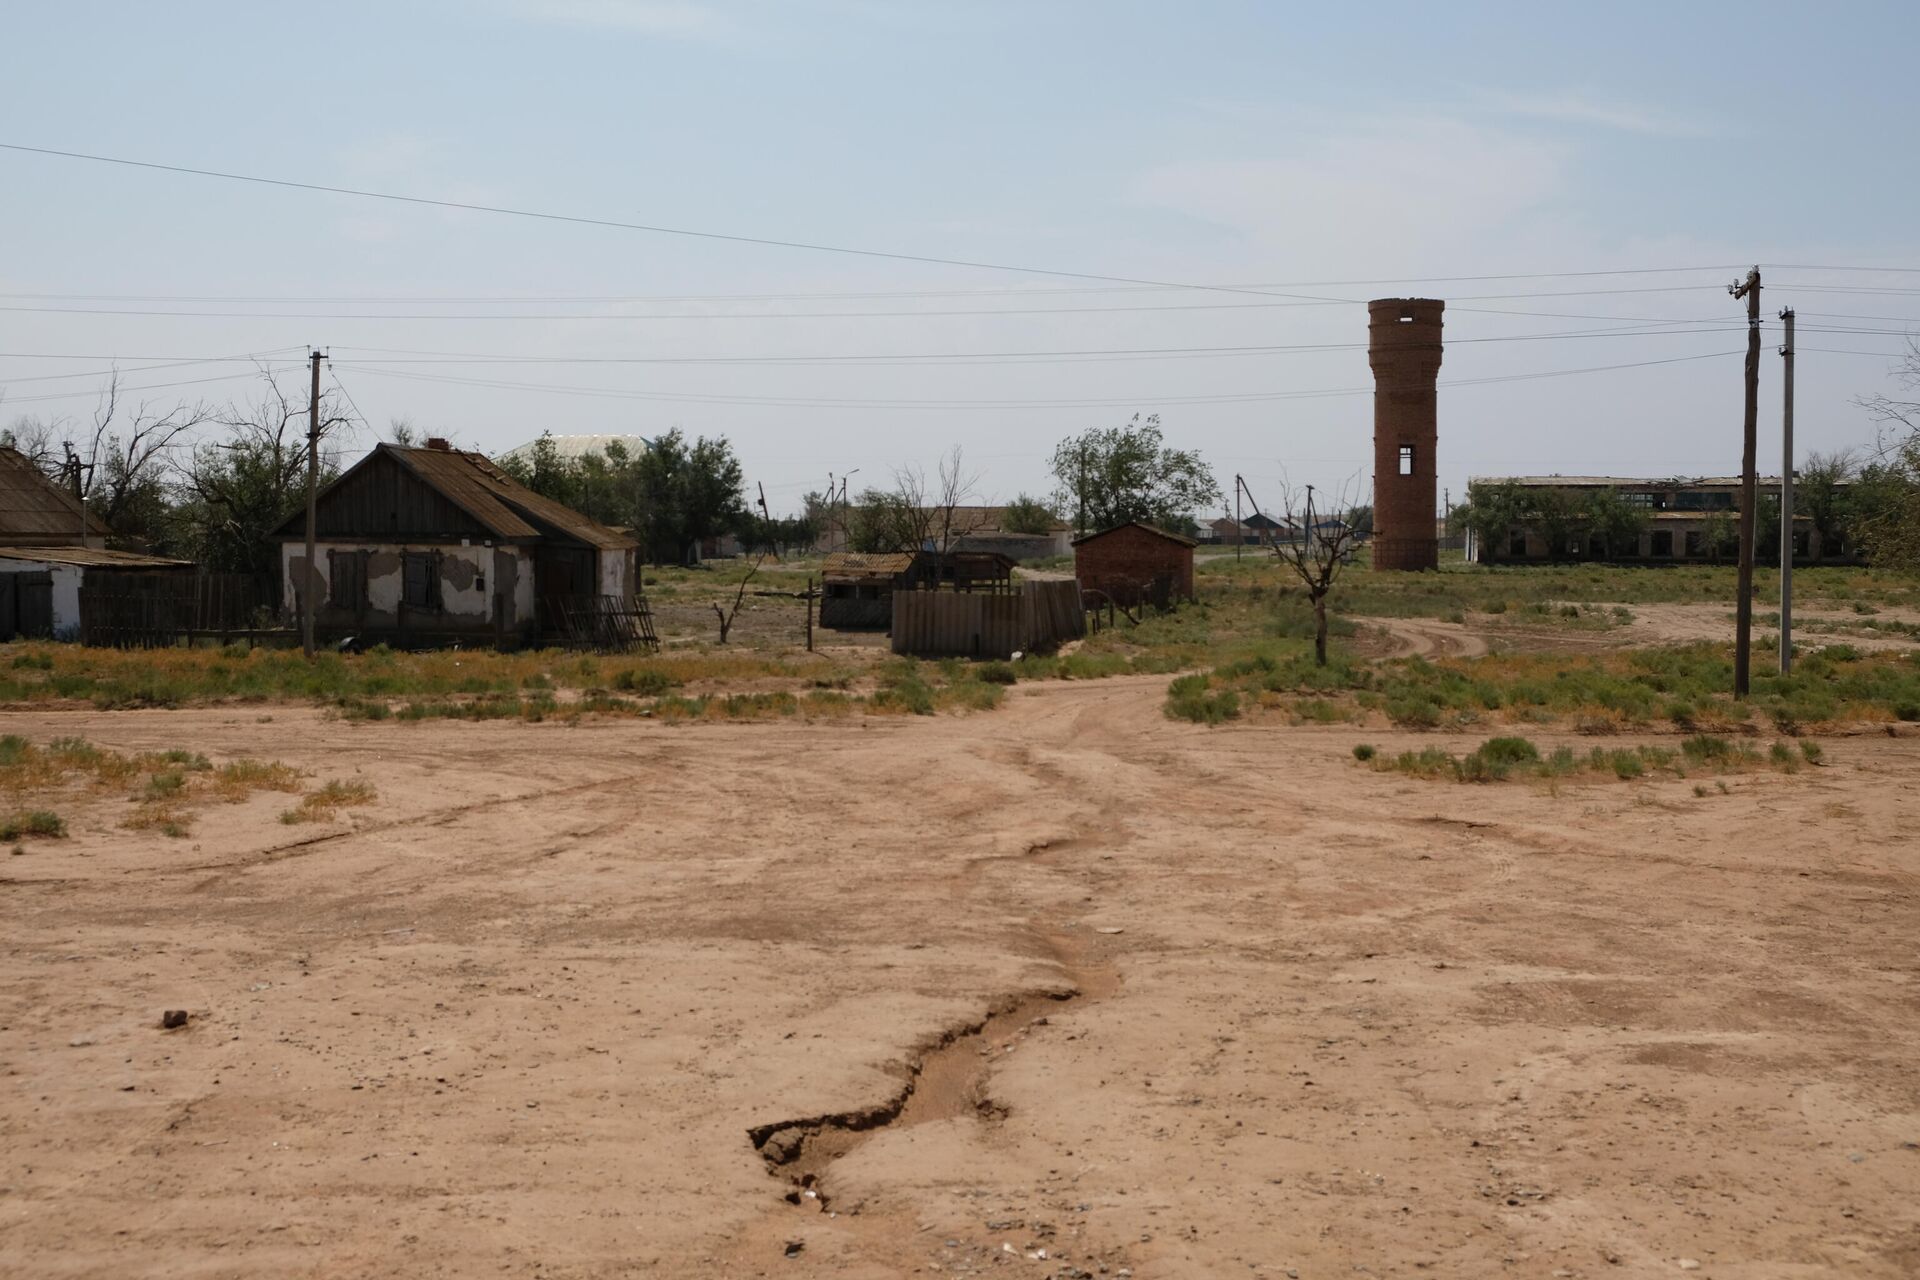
x=596, y=1001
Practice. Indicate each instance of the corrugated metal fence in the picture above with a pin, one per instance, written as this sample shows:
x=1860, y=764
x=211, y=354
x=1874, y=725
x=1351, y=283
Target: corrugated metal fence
x=945, y=624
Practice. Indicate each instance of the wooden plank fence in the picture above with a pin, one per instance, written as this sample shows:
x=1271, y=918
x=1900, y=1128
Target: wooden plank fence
x=154, y=610
x=950, y=624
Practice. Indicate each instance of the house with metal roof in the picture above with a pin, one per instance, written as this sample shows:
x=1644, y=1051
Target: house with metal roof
x=437, y=545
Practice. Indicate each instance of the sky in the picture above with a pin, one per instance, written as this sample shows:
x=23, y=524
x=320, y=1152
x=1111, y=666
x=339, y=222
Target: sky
x=1219, y=187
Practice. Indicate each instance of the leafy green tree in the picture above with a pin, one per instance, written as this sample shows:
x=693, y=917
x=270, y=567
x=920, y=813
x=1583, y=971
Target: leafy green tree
x=1490, y=512
x=1821, y=490
x=1615, y=521
x=1720, y=533
x=684, y=494
x=1027, y=515
x=1108, y=476
x=884, y=520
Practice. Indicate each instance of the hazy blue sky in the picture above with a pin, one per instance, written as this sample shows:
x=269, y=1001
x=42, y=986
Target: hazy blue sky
x=1265, y=145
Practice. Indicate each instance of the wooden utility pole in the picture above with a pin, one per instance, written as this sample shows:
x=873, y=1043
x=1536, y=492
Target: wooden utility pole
x=1743, y=609
x=1786, y=501
x=809, y=613
x=309, y=573
x=1238, y=530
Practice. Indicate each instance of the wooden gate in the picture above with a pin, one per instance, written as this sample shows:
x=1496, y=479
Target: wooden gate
x=26, y=605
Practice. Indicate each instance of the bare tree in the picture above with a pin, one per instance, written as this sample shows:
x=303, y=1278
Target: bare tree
x=930, y=509
x=240, y=488
x=126, y=464
x=1319, y=548
x=727, y=615
x=35, y=439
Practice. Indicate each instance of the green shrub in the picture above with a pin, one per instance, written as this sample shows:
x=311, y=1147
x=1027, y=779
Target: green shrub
x=1189, y=698
x=36, y=823
x=996, y=673
x=1810, y=751
x=1364, y=751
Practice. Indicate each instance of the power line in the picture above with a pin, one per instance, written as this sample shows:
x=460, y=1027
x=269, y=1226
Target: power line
x=150, y=386
x=169, y=363
x=614, y=224
x=898, y=404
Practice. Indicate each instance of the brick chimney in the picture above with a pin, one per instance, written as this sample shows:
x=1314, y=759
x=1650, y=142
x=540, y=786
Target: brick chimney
x=440, y=443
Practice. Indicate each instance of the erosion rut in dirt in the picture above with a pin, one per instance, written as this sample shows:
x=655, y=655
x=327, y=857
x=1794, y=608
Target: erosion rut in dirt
x=947, y=1079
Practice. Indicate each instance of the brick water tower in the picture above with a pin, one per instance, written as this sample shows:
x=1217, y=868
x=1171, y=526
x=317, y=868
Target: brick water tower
x=1403, y=347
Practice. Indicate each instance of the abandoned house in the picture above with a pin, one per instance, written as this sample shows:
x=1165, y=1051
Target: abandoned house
x=1682, y=521
x=436, y=545
x=36, y=512
x=1135, y=562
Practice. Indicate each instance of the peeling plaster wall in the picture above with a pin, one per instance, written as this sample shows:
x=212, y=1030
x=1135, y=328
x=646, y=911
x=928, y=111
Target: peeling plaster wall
x=466, y=593
x=522, y=585
x=613, y=573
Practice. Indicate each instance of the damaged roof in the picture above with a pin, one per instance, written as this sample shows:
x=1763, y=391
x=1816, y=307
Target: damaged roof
x=860, y=564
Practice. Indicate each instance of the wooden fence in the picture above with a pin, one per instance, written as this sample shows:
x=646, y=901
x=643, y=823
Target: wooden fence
x=153, y=610
x=609, y=623
x=946, y=624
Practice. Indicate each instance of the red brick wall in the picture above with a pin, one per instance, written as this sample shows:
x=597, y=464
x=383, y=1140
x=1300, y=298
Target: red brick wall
x=1118, y=563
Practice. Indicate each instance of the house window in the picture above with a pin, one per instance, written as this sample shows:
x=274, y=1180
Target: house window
x=1517, y=546
x=421, y=583
x=1696, y=543
x=1802, y=542
x=1406, y=459
x=1662, y=544
x=347, y=580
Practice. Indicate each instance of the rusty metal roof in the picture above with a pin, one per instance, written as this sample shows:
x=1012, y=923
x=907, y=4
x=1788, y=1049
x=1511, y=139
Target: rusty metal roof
x=93, y=557
x=860, y=564
x=34, y=508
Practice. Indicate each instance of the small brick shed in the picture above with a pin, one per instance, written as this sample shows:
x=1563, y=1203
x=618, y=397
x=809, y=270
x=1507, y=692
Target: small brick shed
x=1129, y=560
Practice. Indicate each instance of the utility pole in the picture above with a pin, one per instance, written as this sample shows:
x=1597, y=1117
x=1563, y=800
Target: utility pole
x=1743, y=608
x=1239, y=535
x=1786, y=501
x=307, y=593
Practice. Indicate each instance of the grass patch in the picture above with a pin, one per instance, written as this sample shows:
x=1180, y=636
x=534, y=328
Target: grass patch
x=35, y=823
x=321, y=805
x=1503, y=758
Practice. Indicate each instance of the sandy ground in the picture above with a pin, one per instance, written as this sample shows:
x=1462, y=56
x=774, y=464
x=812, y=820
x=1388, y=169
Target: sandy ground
x=1249, y=1009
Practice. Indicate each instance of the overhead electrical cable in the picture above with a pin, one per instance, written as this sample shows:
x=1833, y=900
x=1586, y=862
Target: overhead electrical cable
x=897, y=404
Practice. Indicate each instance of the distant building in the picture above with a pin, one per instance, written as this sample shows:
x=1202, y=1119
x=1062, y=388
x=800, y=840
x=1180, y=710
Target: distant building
x=573, y=448
x=969, y=529
x=1687, y=520
x=1133, y=562
x=436, y=545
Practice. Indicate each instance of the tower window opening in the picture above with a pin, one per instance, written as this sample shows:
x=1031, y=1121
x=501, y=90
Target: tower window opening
x=1406, y=459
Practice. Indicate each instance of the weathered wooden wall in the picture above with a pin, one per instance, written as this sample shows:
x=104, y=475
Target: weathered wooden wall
x=947, y=624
